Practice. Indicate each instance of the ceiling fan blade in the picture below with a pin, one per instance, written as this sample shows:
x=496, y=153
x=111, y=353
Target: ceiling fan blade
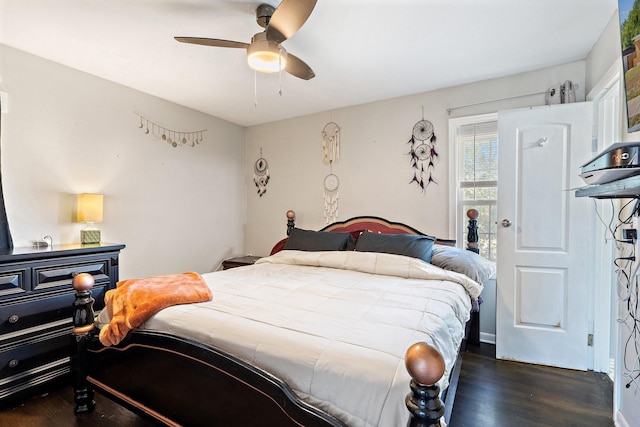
x=288, y=18
x=212, y=42
x=298, y=68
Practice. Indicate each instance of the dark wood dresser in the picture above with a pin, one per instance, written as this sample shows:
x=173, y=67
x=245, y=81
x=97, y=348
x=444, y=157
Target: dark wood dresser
x=36, y=306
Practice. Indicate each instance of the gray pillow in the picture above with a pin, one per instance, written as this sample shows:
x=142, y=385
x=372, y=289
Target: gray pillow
x=400, y=244
x=469, y=263
x=308, y=240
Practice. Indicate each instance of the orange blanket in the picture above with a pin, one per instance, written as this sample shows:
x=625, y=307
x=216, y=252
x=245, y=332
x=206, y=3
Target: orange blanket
x=135, y=300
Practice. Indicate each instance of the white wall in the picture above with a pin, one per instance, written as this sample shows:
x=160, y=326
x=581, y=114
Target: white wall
x=374, y=167
x=68, y=132
x=605, y=52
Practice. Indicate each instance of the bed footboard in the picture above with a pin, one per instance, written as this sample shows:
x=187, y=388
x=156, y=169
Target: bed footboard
x=165, y=378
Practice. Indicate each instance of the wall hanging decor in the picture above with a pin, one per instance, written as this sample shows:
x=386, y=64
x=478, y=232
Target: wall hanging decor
x=174, y=137
x=330, y=143
x=331, y=196
x=261, y=174
x=423, y=151
x=330, y=155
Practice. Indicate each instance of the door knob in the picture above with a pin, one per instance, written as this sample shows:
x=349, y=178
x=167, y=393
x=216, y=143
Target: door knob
x=506, y=223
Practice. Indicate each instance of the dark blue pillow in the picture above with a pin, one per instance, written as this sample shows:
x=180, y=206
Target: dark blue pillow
x=409, y=245
x=308, y=240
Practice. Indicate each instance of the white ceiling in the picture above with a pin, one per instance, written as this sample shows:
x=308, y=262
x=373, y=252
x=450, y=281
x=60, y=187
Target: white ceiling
x=360, y=50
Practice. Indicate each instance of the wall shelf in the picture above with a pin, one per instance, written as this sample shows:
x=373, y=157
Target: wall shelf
x=622, y=188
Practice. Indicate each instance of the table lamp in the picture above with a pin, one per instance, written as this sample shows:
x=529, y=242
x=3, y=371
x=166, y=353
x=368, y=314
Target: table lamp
x=90, y=212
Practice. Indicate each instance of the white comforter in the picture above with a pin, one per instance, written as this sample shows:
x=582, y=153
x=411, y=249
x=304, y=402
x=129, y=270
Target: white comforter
x=334, y=325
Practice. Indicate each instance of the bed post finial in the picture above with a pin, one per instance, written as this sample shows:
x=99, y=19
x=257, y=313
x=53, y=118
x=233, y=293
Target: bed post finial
x=425, y=366
x=82, y=327
x=472, y=231
x=291, y=221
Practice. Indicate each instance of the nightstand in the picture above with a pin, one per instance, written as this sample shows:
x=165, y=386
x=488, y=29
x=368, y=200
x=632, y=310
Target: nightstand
x=239, y=261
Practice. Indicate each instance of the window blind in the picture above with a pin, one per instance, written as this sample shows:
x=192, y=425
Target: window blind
x=478, y=153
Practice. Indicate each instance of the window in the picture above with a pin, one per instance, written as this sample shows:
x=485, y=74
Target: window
x=475, y=165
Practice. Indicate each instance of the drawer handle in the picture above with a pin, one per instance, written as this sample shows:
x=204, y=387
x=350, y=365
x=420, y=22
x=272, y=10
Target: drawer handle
x=14, y=318
x=13, y=363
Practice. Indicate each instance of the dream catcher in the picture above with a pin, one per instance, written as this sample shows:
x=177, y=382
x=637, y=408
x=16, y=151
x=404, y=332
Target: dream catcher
x=331, y=184
x=331, y=143
x=330, y=155
x=261, y=174
x=423, y=151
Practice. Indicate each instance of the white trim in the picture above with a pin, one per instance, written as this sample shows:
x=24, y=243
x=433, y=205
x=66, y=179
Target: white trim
x=606, y=342
x=453, y=180
x=603, y=307
x=620, y=420
x=488, y=338
x=612, y=369
x=610, y=77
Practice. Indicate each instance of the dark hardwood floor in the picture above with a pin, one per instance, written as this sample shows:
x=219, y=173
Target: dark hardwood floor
x=501, y=393
x=55, y=409
x=491, y=393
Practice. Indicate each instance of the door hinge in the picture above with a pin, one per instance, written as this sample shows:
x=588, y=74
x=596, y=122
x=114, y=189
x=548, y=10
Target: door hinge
x=590, y=340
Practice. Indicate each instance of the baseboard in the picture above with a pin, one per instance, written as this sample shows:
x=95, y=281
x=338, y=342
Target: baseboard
x=620, y=421
x=612, y=369
x=488, y=338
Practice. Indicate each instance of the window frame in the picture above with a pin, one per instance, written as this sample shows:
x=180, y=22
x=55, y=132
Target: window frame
x=458, y=222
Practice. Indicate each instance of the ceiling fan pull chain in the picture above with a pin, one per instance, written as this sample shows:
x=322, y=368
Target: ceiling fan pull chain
x=255, y=89
x=280, y=71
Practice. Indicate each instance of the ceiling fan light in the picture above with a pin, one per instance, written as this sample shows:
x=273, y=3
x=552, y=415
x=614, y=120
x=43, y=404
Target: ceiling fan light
x=266, y=56
x=266, y=61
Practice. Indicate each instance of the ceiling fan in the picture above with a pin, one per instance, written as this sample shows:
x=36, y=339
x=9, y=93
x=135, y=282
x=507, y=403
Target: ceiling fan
x=265, y=53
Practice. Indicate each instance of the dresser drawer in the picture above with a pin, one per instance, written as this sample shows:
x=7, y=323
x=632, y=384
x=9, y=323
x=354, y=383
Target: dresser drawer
x=59, y=276
x=40, y=311
x=21, y=359
x=13, y=282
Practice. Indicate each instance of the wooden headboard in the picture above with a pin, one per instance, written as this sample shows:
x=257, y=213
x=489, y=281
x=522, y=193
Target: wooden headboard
x=374, y=224
x=357, y=225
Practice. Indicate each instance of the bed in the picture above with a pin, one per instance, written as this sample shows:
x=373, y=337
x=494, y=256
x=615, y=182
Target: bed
x=313, y=335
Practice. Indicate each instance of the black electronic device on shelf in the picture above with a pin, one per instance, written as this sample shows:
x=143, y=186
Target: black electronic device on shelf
x=619, y=160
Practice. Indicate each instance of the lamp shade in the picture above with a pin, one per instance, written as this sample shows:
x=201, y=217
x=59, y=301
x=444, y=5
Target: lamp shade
x=90, y=207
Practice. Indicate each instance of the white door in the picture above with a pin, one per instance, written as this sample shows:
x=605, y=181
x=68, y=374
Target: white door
x=545, y=267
